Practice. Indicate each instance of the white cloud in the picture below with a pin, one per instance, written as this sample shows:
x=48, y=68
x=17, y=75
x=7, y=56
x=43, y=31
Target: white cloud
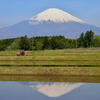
x=33, y=23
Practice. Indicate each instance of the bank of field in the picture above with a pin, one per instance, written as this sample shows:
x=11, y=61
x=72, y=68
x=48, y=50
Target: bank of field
x=54, y=71
x=48, y=78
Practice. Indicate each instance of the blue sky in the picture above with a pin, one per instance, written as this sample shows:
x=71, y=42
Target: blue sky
x=14, y=11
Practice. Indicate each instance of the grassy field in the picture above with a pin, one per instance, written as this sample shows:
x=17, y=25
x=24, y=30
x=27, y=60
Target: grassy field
x=51, y=57
x=68, y=71
x=56, y=62
x=55, y=55
x=51, y=63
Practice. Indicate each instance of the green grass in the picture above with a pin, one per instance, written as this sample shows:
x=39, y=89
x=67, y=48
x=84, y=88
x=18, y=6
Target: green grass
x=51, y=57
x=68, y=71
x=49, y=63
x=56, y=62
x=53, y=52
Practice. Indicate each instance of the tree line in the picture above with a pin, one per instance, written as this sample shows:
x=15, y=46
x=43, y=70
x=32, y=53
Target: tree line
x=50, y=42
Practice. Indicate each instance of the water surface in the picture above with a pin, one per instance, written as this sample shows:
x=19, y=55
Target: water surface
x=10, y=90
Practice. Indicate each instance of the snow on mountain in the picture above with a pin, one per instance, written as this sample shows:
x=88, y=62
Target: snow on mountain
x=56, y=16
x=53, y=89
x=50, y=22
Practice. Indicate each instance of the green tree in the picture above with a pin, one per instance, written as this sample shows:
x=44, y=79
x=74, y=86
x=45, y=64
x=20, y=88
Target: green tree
x=96, y=41
x=81, y=40
x=32, y=43
x=39, y=46
x=53, y=43
x=2, y=47
x=45, y=43
x=15, y=45
x=70, y=41
x=88, y=38
x=24, y=43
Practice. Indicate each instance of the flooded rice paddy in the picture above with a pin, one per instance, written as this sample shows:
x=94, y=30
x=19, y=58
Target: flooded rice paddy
x=18, y=90
x=32, y=87
x=50, y=87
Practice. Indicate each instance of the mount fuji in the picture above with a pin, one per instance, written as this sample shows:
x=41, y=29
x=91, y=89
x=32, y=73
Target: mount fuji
x=52, y=89
x=48, y=23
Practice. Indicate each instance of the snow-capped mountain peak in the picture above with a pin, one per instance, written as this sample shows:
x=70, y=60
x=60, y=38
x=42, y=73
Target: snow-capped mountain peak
x=54, y=89
x=50, y=22
x=55, y=15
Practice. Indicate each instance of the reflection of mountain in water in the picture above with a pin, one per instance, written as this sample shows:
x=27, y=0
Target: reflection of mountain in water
x=52, y=89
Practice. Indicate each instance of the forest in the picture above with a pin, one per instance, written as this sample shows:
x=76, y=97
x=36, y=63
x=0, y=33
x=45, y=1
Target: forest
x=85, y=40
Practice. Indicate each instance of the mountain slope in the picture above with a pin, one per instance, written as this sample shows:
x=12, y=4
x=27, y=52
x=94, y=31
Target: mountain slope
x=56, y=16
x=48, y=23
